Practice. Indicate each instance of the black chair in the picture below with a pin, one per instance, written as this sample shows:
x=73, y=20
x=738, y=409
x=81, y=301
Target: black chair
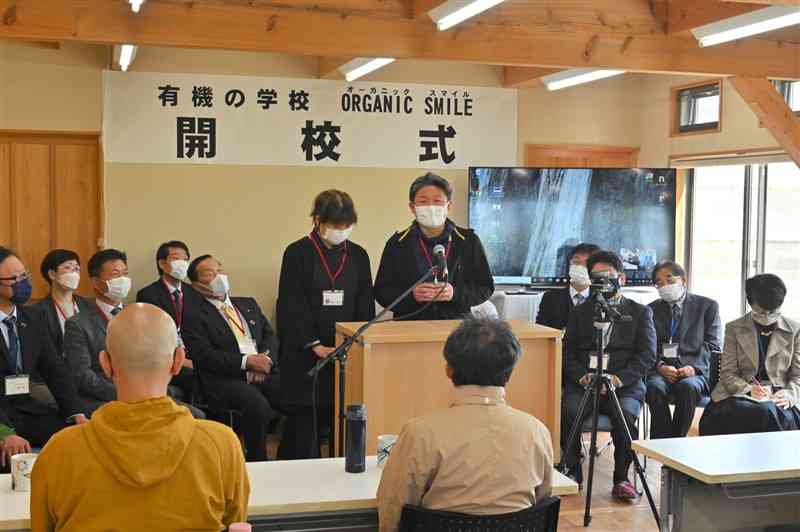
x=543, y=517
x=225, y=416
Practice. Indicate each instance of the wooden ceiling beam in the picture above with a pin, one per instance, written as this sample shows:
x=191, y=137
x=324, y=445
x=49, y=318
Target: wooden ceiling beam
x=683, y=15
x=420, y=8
x=329, y=67
x=765, y=2
x=309, y=32
x=525, y=77
x=773, y=112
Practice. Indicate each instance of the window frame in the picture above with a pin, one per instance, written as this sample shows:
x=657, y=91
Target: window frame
x=676, y=130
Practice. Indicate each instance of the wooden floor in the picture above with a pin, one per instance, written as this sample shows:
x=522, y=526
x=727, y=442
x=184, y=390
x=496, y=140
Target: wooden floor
x=609, y=515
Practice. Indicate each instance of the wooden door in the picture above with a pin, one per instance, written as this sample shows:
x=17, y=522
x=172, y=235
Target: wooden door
x=580, y=156
x=50, y=197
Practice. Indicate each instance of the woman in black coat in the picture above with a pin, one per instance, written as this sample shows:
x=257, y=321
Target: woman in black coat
x=325, y=279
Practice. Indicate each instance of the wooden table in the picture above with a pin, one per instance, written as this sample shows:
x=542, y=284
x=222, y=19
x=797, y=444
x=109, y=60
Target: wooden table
x=728, y=482
x=397, y=370
x=285, y=495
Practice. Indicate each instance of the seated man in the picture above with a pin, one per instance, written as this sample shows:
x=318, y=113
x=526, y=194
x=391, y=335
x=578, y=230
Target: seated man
x=480, y=456
x=85, y=332
x=689, y=329
x=26, y=352
x=142, y=463
x=759, y=382
x=557, y=304
x=172, y=295
x=234, y=350
x=631, y=350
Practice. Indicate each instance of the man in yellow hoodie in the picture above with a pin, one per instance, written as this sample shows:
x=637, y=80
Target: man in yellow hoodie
x=142, y=463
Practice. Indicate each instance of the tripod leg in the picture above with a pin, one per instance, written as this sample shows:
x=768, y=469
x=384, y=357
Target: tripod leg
x=635, y=459
x=574, y=431
x=596, y=386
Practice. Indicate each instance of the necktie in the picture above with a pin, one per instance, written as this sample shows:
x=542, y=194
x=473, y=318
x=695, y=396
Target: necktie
x=176, y=295
x=236, y=325
x=579, y=299
x=14, y=359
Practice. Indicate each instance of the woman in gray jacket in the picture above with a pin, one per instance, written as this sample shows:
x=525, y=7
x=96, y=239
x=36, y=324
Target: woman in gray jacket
x=759, y=383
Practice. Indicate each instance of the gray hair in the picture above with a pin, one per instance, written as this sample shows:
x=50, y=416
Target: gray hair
x=430, y=179
x=482, y=352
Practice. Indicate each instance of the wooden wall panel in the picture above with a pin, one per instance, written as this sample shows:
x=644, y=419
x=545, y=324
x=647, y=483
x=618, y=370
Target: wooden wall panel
x=5, y=194
x=580, y=156
x=76, y=206
x=32, y=224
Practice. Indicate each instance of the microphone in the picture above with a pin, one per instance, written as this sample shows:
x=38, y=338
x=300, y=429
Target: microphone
x=441, y=260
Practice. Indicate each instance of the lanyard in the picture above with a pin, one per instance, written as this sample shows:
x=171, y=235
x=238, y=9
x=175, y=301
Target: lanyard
x=428, y=256
x=61, y=311
x=175, y=306
x=674, y=324
x=332, y=276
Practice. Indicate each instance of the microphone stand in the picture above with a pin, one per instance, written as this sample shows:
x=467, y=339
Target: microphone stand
x=340, y=354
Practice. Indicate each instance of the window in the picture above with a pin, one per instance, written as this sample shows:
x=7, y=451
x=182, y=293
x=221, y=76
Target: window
x=717, y=234
x=782, y=246
x=755, y=232
x=790, y=90
x=697, y=108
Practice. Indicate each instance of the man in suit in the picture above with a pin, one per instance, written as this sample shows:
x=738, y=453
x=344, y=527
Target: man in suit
x=172, y=295
x=689, y=329
x=409, y=254
x=26, y=351
x=631, y=350
x=557, y=304
x=85, y=333
x=234, y=350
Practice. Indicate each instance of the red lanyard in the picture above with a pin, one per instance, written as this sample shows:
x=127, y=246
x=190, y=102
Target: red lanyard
x=175, y=306
x=331, y=276
x=61, y=311
x=428, y=256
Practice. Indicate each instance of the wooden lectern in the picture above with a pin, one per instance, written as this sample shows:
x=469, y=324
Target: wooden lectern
x=398, y=370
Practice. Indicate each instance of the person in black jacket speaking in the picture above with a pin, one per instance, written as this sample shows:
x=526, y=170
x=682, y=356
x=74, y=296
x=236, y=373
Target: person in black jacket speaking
x=409, y=254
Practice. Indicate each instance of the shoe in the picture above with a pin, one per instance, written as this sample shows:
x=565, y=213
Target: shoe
x=624, y=491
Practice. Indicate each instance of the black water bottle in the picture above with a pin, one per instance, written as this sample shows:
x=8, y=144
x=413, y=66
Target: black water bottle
x=355, y=454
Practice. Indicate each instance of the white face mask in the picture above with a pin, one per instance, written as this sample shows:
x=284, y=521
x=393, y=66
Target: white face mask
x=69, y=280
x=579, y=275
x=179, y=269
x=770, y=318
x=671, y=293
x=431, y=215
x=335, y=237
x=220, y=286
x=118, y=288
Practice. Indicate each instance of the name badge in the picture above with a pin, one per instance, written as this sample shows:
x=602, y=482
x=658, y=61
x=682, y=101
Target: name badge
x=333, y=298
x=247, y=347
x=670, y=351
x=18, y=385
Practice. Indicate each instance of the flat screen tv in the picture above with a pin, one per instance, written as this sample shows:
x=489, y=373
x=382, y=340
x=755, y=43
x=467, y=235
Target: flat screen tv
x=529, y=219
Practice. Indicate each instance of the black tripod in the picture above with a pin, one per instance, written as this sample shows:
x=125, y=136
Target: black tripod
x=604, y=316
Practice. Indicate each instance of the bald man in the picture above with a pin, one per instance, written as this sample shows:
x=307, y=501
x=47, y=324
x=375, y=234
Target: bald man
x=142, y=461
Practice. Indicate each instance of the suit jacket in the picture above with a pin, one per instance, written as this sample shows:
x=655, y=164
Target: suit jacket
x=555, y=308
x=468, y=269
x=156, y=294
x=699, y=332
x=631, y=347
x=84, y=338
x=740, y=358
x=48, y=316
x=39, y=357
x=214, y=348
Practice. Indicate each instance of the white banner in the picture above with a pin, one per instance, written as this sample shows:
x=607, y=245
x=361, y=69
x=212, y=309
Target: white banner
x=204, y=119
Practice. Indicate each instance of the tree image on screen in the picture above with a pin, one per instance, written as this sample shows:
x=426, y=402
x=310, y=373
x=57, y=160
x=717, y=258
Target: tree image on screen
x=529, y=219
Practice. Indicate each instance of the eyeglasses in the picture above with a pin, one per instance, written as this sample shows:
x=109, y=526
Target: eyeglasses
x=17, y=278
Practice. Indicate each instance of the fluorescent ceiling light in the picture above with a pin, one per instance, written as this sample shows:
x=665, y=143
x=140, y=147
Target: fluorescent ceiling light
x=454, y=12
x=753, y=23
x=576, y=76
x=361, y=66
x=136, y=5
x=124, y=55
